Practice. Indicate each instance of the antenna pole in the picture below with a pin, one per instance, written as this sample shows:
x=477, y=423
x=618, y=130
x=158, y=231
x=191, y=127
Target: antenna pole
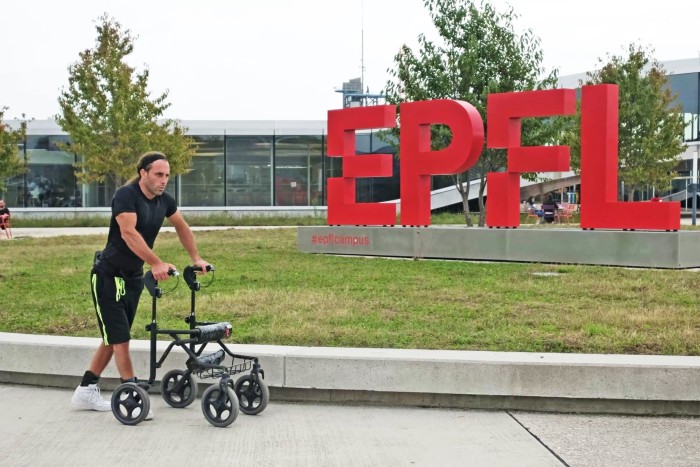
x=362, y=49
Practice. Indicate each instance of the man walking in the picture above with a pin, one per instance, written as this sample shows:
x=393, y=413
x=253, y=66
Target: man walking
x=138, y=211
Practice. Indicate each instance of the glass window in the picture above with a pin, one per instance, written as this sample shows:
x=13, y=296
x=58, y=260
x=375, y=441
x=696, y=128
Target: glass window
x=203, y=185
x=298, y=170
x=14, y=194
x=377, y=189
x=685, y=86
x=50, y=177
x=248, y=170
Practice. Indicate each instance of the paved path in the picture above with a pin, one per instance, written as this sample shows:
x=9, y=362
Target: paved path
x=38, y=427
x=37, y=232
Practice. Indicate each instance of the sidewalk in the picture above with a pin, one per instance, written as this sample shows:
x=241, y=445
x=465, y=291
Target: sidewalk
x=41, y=232
x=39, y=428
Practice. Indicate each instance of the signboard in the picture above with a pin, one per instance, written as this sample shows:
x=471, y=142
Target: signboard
x=599, y=144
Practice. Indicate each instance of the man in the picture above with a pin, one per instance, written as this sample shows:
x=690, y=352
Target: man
x=138, y=211
x=549, y=209
x=4, y=214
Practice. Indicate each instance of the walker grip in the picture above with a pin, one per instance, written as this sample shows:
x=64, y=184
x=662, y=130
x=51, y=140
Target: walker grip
x=190, y=275
x=213, y=332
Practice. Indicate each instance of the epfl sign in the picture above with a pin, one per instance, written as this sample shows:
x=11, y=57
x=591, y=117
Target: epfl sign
x=599, y=138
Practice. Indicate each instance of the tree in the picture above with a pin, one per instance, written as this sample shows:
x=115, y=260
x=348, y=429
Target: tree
x=11, y=163
x=481, y=54
x=650, y=125
x=109, y=115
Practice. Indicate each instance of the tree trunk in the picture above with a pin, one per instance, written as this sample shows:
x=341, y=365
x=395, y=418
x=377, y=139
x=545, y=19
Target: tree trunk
x=464, y=191
x=482, y=206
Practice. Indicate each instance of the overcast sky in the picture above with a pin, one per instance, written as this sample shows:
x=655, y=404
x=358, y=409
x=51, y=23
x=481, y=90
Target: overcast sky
x=283, y=60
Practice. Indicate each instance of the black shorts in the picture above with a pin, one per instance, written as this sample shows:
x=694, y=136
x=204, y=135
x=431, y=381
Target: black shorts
x=116, y=297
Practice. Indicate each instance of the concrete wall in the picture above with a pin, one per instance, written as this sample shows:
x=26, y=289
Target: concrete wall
x=650, y=249
x=530, y=381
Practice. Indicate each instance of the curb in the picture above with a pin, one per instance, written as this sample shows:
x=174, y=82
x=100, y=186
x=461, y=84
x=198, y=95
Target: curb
x=594, y=383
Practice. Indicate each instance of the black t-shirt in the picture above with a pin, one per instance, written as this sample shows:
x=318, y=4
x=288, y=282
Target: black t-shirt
x=149, y=219
x=4, y=210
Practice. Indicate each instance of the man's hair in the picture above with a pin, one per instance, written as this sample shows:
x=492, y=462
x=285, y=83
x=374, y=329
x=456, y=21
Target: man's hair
x=145, y=162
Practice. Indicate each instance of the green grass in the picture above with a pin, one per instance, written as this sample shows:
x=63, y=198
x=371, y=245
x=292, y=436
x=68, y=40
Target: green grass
x=274, y=294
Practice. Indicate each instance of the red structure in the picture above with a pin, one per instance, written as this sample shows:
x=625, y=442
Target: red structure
x=599, y=126
x=599, y=205
x=505, y=112
x=342, y=201
x=419, y=162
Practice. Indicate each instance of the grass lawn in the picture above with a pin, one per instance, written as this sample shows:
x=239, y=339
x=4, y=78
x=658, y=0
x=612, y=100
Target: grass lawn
x=274, y=294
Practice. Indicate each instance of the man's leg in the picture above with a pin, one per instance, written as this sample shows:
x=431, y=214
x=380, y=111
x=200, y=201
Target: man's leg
x=101, y=359
x=87, y=394
x=123, y=360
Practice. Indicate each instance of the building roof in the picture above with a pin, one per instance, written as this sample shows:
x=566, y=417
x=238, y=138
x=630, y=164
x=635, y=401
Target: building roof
x=672, y=67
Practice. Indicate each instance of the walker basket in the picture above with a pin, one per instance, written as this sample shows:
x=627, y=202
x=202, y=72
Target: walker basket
x=217, y=371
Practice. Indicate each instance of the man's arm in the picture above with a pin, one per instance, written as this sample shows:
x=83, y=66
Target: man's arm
x=136, y=243
x=184, y=233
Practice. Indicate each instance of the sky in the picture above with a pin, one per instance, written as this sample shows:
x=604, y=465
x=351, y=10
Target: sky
x=284, y=60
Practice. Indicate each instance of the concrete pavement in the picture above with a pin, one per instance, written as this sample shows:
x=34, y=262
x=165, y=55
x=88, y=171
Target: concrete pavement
x=40, y=232
x=38, y=427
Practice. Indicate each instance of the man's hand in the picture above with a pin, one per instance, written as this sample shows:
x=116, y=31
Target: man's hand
x=203, y=265
x=161, y=271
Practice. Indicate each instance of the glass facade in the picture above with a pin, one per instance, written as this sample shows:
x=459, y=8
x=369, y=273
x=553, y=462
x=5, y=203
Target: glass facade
x=204, y=184
x=686, y=86
x=249, y=170
x=298, y=170
x=226, y=170
x=50, y=179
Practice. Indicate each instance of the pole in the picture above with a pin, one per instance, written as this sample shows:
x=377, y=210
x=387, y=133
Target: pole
x=695, y=184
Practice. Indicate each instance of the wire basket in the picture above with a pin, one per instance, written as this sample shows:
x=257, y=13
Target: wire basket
x=217, y=371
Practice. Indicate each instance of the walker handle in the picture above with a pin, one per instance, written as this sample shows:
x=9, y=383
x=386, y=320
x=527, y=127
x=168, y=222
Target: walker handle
x=190, y=275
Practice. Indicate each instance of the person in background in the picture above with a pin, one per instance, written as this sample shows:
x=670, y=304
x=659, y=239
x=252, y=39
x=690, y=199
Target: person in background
x=533, y=208
x=549, y=209
x=138, y=211
x=4, y=213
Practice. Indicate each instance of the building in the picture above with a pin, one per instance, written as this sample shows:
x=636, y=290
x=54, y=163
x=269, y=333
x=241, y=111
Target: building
x=275, y=164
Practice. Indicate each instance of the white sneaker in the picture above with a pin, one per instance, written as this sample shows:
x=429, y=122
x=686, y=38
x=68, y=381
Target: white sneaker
x=88, y=398
x=150, y=415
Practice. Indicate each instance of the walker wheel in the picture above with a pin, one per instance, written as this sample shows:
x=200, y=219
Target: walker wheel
x=253, y=394
x=223, y=412
x=177, y=391
x=130, y=404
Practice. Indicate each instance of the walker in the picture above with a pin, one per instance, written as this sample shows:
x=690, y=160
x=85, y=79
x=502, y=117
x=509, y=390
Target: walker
x=222, y=400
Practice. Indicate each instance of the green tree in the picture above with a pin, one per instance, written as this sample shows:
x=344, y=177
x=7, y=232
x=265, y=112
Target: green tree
x=110, y=116
x=480, y=53
x=651, y=125
x=11, y=163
